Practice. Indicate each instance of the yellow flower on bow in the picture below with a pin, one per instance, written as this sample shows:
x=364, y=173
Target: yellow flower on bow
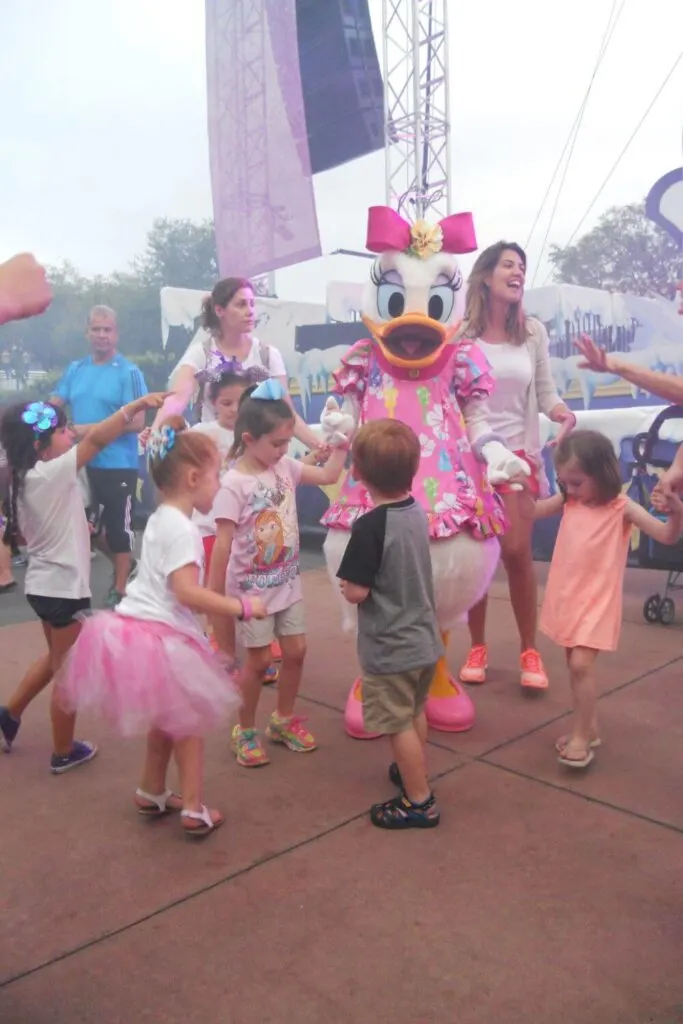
x=425, y=239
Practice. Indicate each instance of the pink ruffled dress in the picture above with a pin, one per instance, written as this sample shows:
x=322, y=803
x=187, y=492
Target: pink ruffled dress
x=451, y=483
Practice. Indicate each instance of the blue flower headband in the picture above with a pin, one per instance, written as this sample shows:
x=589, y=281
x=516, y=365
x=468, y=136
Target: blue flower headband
x=230, y=364
x=160, y=443
x=40, y=416
x=269, y=390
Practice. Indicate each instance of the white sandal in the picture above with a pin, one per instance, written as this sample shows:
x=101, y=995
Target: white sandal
x=160, y=803
x=208, y=825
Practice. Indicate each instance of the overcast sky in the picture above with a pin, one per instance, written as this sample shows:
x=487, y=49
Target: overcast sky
x=104, y=124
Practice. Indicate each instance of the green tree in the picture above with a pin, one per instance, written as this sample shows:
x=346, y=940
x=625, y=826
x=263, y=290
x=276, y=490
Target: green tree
x=625, y=251
x=179, y=254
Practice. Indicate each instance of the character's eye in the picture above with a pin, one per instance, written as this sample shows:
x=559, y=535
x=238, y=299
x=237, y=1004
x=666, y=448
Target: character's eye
x=441, y=302
x=391, y=301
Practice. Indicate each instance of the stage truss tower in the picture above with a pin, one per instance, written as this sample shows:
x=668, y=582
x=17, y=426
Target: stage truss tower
x=416, y=121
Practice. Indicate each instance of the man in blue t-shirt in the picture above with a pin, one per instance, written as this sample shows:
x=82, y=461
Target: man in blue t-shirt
x=94, y=388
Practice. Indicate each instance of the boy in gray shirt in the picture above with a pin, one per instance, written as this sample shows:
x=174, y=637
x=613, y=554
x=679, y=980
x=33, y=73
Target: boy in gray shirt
x=387, y=571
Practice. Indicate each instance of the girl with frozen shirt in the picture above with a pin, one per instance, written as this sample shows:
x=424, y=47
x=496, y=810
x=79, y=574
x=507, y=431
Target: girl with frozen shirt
x=46, y=508
x=224, y=392
x=156, y=670
x=257, y=552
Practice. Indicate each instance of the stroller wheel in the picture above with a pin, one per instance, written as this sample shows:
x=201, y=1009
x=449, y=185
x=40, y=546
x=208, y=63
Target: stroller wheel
x=667, y=611
x=651, y=608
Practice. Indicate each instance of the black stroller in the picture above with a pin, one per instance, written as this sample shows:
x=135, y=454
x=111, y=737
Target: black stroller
x=650, y=554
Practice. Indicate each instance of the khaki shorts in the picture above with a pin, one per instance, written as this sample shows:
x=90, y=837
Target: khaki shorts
x=391, y=703
x=261, y=632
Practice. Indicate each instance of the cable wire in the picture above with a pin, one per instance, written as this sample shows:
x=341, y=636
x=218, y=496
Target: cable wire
x=572, y=137
x=616, y=163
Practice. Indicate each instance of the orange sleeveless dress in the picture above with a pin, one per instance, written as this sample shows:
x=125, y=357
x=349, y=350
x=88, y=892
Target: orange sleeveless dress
x=583, y=599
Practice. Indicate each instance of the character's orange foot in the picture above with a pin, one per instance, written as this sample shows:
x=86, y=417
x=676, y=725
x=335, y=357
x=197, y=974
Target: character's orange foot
x=452, y=713
x=275, y=651
x=353, y=716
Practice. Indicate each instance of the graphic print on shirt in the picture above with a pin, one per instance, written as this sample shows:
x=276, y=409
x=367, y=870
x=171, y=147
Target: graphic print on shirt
x=274, y=555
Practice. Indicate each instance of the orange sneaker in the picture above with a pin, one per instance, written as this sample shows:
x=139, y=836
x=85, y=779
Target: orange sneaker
x=474, y=669
x=533, y=673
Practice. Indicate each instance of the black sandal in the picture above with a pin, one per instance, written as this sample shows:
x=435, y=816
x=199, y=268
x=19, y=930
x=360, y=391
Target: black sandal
x=395, y=777
x=401, y=813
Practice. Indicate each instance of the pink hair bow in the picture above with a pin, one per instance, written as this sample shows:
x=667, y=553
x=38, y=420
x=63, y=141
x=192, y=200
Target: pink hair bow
x=387, y=231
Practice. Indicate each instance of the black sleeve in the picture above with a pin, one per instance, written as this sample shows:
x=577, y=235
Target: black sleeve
x=363, y=555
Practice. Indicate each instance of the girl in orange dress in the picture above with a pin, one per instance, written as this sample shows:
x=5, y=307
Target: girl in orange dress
x=583, y=596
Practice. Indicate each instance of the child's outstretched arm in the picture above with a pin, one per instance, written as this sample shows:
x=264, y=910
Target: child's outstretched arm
x=547, y=507
x=223, y=629
x=327, y=474
x=190, y=593
x=102, y=434
x=664, y=532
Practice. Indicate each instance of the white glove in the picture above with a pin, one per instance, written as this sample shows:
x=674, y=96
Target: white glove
x=336, y=425
x=503, y=465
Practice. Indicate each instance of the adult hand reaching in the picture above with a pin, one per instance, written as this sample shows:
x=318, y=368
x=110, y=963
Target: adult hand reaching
x=671, y=482
x=24, y=289
x=567, y=421
x=594, y=357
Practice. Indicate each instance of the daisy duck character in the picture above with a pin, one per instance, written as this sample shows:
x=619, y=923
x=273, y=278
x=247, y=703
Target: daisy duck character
x=412, y=368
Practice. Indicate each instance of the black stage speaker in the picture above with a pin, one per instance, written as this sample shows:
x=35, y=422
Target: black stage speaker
x=341, y=81
x=322, y=336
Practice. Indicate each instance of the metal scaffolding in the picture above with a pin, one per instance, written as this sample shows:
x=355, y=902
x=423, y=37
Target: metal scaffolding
x=416, y=123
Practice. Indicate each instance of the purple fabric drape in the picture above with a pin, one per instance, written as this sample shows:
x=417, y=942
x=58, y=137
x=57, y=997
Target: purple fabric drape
x=263, y=199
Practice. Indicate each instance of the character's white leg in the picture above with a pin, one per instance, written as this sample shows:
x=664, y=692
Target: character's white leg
x=334, y=548
x=463, y=569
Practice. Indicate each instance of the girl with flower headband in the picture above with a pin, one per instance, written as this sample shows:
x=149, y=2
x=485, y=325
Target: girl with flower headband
x=156, y=672
x=257, y=552
x=46, y=508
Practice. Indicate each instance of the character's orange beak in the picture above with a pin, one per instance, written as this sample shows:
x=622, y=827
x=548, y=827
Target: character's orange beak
x=411, y=333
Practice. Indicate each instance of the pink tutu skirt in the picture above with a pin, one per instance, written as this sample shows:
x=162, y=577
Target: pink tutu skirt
x=143, y=675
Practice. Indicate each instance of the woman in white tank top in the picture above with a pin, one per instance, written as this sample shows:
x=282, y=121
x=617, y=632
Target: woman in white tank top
x=516, y=347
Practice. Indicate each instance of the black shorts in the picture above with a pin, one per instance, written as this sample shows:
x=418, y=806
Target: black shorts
x=113, y=490
x=58, y=612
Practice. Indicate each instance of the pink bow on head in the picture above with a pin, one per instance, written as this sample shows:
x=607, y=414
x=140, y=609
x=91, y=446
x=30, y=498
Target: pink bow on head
x=387, y=230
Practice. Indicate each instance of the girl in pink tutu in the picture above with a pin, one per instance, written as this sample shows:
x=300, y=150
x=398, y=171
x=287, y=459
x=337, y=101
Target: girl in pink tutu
x=257, y=552
x=147, y=665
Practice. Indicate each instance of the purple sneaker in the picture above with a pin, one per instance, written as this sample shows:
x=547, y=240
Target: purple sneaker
x=9, y=727
x=80, y=753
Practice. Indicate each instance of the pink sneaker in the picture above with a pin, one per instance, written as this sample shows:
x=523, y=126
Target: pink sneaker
x=474, y=669
x=533, y=673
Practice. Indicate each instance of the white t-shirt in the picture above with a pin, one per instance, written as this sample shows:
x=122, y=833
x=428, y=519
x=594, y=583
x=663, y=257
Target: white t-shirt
x=196, y=357
x=222, y=438
x=170, y=541
x=52, y=521
x=513, y=374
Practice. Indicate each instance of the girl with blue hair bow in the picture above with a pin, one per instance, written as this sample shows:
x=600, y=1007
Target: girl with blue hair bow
x=257, y=554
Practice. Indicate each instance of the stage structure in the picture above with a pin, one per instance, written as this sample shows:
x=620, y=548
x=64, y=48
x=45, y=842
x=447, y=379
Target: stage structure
x=293, y=88
x=417, y=122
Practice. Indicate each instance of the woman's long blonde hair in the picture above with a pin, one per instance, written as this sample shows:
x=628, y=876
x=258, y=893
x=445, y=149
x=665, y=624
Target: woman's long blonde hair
x=476, y=317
